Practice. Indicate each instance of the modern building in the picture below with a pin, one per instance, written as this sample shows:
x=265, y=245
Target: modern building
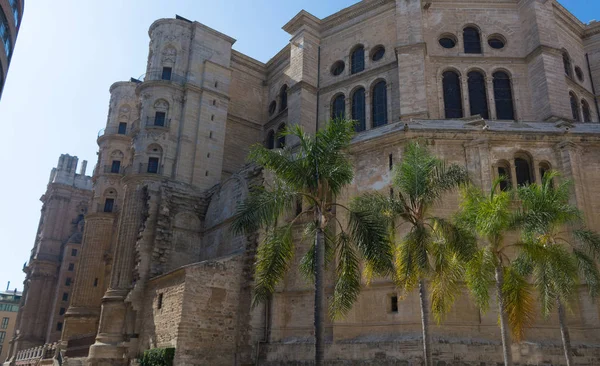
x=11, y=13
x=504, y=87
x=9, y=307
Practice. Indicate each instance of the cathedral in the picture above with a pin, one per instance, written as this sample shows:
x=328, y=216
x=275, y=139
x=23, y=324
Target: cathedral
x=140, y=255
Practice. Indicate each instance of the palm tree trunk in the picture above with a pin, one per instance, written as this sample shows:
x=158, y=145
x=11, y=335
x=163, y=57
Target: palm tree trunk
x=425, y=322
x=504, y=331
x=319, y=296
x=564, y=332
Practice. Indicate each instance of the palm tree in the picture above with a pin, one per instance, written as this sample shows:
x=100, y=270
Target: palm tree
x=315, y=172
x=433, y=249
x=490, y=216
x=554, y=261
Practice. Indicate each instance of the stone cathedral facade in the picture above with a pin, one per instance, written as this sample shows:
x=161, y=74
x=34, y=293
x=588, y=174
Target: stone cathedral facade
x=501, y=87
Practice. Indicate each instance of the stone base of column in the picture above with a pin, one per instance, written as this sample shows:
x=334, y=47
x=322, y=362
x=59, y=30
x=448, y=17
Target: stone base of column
x=106, y=354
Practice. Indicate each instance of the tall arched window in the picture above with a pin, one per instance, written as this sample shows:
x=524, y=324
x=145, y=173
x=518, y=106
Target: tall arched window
x=358, y=109
x=280, y=136
x=452, y=95
x=283, y=98
x=523, y=171
x=472, y=40
x=574, y=107
x=504, y=172
x=585, y=108
x=338, y=107
x=503, y=96
x=357, y=60
x=379, y=104
x=478, y=95
x=567, y=63
x=271, y=140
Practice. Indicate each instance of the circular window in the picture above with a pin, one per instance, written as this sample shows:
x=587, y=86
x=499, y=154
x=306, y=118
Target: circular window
x=272, y=108
x=378, y=53
x=338, y=68
x=447, y=41
x=579, y=73
x=496, y=42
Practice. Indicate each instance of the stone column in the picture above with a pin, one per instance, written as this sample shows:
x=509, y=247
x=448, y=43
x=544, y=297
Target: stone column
x=490, y=97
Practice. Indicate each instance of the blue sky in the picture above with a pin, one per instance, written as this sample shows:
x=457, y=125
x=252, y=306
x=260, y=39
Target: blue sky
x=68, y=54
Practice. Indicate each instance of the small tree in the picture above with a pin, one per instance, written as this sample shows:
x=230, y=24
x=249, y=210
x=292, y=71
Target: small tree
x=557, y=249
x=491, y=216
x=433, y=249
x=314, y=172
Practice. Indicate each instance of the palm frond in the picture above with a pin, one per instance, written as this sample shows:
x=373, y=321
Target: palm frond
x=347, y=281
x=479, y=276
x=519, y=303
x=589, y=242
x=411, y=259
x=589, y=272
x=307, y=262
x=458, y=240
x=446, y=279
x=370, y=235
x=272, y=259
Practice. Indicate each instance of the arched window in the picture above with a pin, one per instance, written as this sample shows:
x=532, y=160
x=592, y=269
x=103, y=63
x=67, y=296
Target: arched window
x=110, y=197
x=503, y=96
x=154, y=152
x=271, y=140
x=283, y=98
x=452, y=95
x=478, y=95
x=523, y=171
x=280, y=136
x=338, y=107
x=504, y=172
x=567, y=63
x=357, y=60
x=585, y=108
x=472, y=40
x=358, y=109
x=161, y=110
x=544, y=168
x=379, y=104
x=574, y=107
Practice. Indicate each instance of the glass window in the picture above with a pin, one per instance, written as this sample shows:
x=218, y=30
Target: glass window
x=68, y=281
x=65, y=296
x=579, y=73
x=585, y=108
x=115, y=166
x=504, y=172
x=447, y=42
x=95, y=282
x=283, y=98
x=122, y=128
x=394, y=304
x=358, y=109
x=109, y=204
x=71, y=267
x=59, y=326
x=503, y=96
x=378, y=53
x=166, y=73
x=523, y=171
x=574, y=107
x=379, y=104
x=452, y=95
x=472, y=40
x=61, y=311
x=338, y=107
x=338, y=68
x=152, y=165
x=2, y=336
x=159, y=118
x=358, y=60
x=280, y=137
x=272, y=108
x=73, y=252
x=567, y=64
x=496, y=42
x=4, y=324
x=271, y=140
x=477, y=95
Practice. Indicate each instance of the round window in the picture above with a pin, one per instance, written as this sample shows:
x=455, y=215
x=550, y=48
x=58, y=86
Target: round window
x=579, y=73
x=272, y=108
x=496, y=42
x=447, y=41
x=378, y=53
x=338, y=68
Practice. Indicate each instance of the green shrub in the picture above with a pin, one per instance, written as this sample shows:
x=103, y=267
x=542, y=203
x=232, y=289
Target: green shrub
x=158, y=357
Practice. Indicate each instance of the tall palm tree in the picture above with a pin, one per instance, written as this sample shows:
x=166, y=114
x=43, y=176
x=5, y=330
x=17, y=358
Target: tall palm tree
x=557, y=250
x=433, y=249
x=315, y=171
x=490, y=216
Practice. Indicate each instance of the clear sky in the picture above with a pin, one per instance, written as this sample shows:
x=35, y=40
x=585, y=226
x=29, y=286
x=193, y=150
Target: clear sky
x=68, y=54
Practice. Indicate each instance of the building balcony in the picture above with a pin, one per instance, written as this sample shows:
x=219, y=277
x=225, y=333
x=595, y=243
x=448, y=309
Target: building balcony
x=113, y=169
x=145, y=169
x=107, y=207
x=165, y=75
x=114, y=130
x=158, y=122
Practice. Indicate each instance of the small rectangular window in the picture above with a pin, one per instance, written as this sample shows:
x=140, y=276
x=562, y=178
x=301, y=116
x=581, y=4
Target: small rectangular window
x=160, y=301
x=59, y=326
x=152, y=165
x=160, y=118
x=115, y=166
x=109, y=204
x=73, y=252
x=0, y=348
x=61, y=311
x=391, y=161
x=95, y=282
x=122, y=128
x=2, y=336
x=166, y=73
x=71, y=267
x=68, y=281
x=394, y=304
x=65, y=296
x=4, y=324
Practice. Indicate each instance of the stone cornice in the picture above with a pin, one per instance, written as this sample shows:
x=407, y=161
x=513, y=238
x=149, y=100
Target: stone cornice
x=281, y=58
x=570, y=20
x=302, y=85
x=244, y=121
x=247, y=61
x=411, y=47
x=303, y=19
x=351, y=12
x=542, y=49
x=592, y=29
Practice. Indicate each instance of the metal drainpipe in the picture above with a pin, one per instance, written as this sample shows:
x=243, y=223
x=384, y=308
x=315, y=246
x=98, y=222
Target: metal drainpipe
x=587, y=59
